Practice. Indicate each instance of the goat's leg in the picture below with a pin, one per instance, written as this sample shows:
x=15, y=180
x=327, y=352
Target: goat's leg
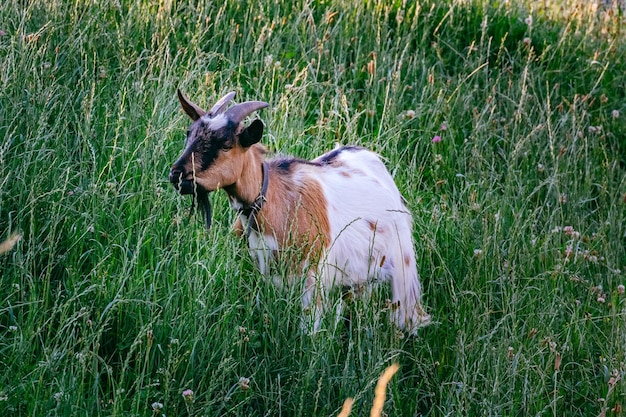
x=312, y=305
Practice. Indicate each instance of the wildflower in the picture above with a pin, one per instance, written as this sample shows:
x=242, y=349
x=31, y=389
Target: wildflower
x=13, y=328
x=529, y=20
x=2, y=33
x=478, y=252
x=568, y=251
x=620, y=288
x=410, y=114
x=436, y=139
x=444, y=126
x=615, y=114
x=540, y=168
x=527, y=41
x=157, y=407
x=601, y=298
x=569, y=231
x=188, y=395
x=244, y=383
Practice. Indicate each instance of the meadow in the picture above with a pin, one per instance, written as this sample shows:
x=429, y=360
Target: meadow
x=503, y=124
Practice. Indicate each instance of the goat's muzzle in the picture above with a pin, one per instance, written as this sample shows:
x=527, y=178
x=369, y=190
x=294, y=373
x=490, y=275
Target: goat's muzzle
x=199, y=196
x=184, y=186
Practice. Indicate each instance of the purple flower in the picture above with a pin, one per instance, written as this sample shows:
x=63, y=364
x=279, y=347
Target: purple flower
x=188, y=395
x=437, y=139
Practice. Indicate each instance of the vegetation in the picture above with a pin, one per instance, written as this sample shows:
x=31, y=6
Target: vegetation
x=503, y=123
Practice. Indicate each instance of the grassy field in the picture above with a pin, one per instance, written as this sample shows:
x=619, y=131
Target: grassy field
x=503, y=123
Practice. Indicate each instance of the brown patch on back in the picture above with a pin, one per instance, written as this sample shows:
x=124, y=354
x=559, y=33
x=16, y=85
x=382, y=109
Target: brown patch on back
x=407, y=260
x=296, y=215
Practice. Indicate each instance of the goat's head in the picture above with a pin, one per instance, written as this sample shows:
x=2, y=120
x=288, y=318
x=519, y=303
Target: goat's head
x=216, y=143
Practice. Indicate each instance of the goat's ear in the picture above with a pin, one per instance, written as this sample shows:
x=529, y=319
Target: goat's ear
x=190, y=108
x=251, y=134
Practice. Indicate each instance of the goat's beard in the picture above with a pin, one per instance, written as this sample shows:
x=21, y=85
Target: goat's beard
x=199, y=198
x=202, y=203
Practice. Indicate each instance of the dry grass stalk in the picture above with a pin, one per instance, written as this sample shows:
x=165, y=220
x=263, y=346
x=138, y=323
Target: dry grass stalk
x=381, y=388
x=8, y=244
x=347, y=407
x=379, y=395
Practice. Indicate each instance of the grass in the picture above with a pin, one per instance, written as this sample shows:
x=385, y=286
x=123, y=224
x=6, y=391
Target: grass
x=114, y=302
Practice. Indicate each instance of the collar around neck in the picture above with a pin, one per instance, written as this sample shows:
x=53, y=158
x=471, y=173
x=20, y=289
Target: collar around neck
x=251, y=210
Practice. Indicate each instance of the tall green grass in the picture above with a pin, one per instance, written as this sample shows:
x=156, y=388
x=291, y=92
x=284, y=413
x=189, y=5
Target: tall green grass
x=115, y=301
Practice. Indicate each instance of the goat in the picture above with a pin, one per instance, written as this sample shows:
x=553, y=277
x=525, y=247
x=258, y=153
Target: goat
x=342, y=211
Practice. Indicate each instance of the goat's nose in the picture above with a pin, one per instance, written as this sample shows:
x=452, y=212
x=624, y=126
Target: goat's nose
x=175, y=174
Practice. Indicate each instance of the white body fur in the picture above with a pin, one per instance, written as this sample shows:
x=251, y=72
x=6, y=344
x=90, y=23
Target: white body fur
x=370, y=235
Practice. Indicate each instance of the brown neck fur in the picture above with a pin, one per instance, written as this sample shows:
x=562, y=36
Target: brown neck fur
x=295, y=214
x=248, y=186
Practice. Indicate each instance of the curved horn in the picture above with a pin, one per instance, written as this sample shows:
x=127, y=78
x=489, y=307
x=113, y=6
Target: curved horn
x=238, y=112
x=192, y=110
x=221, y=104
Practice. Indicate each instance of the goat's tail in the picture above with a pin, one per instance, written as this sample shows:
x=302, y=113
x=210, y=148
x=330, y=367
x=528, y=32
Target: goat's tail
x=409, y=313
